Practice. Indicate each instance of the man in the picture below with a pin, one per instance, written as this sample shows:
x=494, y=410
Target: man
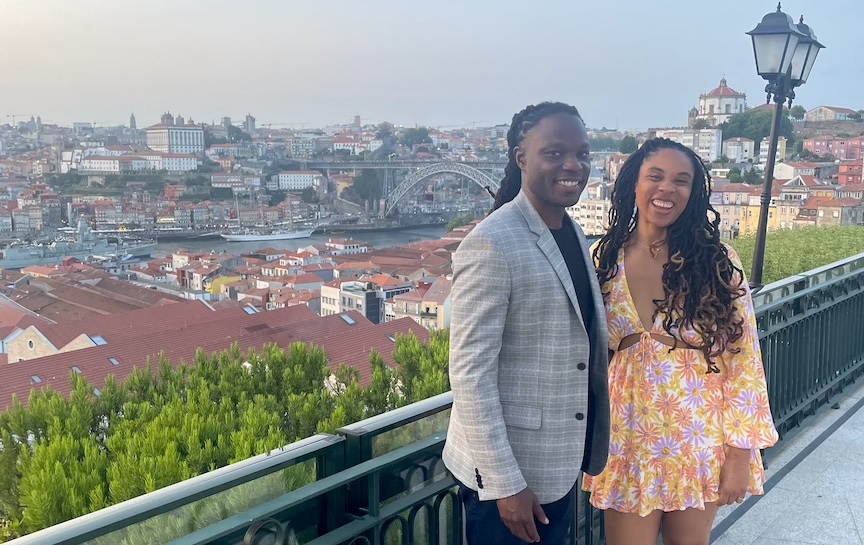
x=528, y=345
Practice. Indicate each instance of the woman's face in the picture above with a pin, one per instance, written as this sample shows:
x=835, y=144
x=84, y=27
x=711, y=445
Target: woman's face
x=664, y=186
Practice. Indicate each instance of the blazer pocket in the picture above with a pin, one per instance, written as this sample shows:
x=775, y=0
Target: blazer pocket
x=522, y=416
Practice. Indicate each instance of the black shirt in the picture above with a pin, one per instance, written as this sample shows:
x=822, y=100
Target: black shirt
x=568, y=243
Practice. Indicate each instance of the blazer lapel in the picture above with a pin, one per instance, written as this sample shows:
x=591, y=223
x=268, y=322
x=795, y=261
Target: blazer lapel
x=550, y=249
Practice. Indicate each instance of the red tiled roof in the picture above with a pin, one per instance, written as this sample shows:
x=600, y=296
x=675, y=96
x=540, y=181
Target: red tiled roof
x=353, y=348
x=384, y=280
x=306, y=278
x=178, y=345
x=415, y=295
x=439, y=291
x=137, y=322
x=361, y=265
x=723, y=90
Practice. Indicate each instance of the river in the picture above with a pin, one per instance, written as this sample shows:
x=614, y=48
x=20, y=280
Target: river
x=381, y=239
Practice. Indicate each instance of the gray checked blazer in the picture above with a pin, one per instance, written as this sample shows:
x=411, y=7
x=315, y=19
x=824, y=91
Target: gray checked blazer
x=529, y=408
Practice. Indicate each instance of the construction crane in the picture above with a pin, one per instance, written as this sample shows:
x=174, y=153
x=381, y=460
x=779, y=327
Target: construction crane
x=13, y=116
x=290, y=124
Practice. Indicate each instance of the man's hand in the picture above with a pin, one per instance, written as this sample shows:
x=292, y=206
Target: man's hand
x=734, y=476
x=518, y=513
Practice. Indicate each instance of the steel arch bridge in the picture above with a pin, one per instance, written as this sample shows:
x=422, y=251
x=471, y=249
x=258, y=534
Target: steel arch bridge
x=412, y=180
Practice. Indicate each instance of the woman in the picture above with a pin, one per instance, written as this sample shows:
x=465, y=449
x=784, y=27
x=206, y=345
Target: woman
x=689, y=406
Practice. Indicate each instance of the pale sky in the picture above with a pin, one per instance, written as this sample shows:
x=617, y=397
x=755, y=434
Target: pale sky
x=633, y=63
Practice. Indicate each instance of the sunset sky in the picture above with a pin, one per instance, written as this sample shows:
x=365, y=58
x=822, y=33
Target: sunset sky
x=625, y=63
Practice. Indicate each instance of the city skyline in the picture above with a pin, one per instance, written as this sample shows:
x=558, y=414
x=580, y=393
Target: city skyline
x=309, y=66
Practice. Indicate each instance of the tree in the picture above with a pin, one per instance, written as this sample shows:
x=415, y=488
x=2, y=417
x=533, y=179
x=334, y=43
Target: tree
x=310, y=196
x=236, y=135
x=753, y=178
x=413, y=137
x=165, y=424
x=791, y=252
x=756, y=125
x=855, y=116
x=603, y=143
x=798, y=147
x=628, y=144
x=735, y=175
x=701, y=124
x=459, y=222
x=366, y=185
x=797, y=112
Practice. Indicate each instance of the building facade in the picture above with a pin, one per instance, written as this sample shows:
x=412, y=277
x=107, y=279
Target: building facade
x=828, y=113
x=739, y=150
x=718, y=105
x=168, y=137
x=707, y=143
x=297, y=180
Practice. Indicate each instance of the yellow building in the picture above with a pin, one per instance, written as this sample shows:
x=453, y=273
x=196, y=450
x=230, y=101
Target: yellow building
x=738, y=206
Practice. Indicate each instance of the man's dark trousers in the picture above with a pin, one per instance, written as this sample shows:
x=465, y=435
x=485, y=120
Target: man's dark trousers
x=483, y=524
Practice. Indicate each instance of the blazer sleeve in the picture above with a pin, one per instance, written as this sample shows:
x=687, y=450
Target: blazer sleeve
x=747, y=421
x=481, y=298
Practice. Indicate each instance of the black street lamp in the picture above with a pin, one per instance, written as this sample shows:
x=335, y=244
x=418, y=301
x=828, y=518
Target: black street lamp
x=785, y=54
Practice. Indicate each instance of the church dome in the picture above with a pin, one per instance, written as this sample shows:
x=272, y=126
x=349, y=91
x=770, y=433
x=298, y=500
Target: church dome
x=723, y=90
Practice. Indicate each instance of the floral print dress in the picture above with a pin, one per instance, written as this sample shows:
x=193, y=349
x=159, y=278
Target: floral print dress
x=671, y=421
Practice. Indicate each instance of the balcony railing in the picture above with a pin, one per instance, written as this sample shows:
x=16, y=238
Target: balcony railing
x=381, y=481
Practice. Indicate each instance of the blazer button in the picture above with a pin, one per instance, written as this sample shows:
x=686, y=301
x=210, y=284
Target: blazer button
x=580, y=416
x=581, y=366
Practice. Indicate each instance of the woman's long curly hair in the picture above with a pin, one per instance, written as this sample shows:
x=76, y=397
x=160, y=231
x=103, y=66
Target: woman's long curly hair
x=699, y=280
x=523, y=122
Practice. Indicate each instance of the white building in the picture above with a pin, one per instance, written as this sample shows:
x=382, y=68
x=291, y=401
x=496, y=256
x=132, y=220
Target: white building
x=781, y=150
x=707, y=143
x=828, y=113
x=592, y=210
x=739, y=150
x=719, y=105
x=168, y=138
x=98, y=163
x=179, y=162
x=349, y=143
x=297, y=180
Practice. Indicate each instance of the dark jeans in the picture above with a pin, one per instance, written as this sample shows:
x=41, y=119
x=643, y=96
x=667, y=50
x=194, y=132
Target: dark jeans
x=483, y=524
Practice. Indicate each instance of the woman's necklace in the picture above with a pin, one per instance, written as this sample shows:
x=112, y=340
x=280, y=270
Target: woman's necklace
x=654, y=248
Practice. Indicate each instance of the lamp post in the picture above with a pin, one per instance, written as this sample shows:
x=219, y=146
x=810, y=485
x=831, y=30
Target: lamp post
x=785, y=54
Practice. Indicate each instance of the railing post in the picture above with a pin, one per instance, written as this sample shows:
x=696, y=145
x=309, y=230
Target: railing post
x=358, y=449
x=331, y=506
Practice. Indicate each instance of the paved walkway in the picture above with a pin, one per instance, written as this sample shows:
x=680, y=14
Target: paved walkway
x=816, y=482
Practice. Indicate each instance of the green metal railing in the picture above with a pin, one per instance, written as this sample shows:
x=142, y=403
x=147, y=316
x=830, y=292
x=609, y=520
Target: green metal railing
x=381, y=481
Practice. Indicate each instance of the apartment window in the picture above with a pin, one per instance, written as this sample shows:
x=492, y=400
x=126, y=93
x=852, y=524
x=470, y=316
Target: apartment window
x=36, y=378
x=76, y=369
x=30, y=344
x=821, y=213
x=98, y=340
x=114, y=361
x=836, y=213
